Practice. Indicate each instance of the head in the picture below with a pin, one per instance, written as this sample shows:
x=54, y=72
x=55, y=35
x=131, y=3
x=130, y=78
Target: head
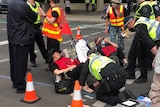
x=52, y=1
x=55, y=54
x=98, y=41
x=115, y=3
x=129, y=22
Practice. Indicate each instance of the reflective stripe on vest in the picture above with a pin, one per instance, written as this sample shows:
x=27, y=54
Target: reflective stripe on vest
x=35, y=9
x=96, y=63
x=152, y=15
x=153, y=27
x=52, y=30
x=119, y=20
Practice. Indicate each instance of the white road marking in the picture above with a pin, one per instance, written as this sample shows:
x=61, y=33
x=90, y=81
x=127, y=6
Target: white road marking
x=99, y=104
x=5, y=42
x=4, y=60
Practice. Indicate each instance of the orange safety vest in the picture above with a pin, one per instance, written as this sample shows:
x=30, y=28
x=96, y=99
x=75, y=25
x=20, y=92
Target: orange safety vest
x=118, y=20
x=52, y=30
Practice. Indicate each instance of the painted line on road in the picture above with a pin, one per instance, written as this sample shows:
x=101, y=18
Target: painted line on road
x=85, y=36
x=5, y=42
x=4, y=60
x=38, y=83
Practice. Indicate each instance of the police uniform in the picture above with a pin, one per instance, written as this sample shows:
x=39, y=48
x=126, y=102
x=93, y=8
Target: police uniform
x=149, y=11
x=104, y=70
x=38, y=37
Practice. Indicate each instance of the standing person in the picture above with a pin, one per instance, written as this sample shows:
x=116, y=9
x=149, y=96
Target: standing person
x=67, y=6
x=115, y=16
x=154, y=93
x=87, y=2
x=20, y=30
x=93, y=2
x=144, y=9
x=110, y=75
x=35, y=6
x=51, y=27
x=147, y=33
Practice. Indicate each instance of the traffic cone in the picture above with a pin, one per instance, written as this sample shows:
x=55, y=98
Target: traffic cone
x=30, y=94
x=77, y=98
x=78, y=36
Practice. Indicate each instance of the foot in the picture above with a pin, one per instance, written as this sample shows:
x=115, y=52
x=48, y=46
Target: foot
x=141, y=80
x=20, y=90
x=33, y=64
x=87, y=89
x=130, y=76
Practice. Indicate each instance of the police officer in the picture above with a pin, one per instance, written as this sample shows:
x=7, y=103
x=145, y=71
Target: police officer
x=146, y=9
x=20, y=30
x=110, y=75
x=147, y=33
x=35, y=6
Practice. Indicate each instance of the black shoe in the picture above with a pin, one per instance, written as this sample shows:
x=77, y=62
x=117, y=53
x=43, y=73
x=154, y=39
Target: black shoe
x=33, y=64
x=20, y=90
x=141, y=80
x=130, y=76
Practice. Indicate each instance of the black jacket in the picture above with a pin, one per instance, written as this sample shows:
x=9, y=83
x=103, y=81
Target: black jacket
x=20, y=23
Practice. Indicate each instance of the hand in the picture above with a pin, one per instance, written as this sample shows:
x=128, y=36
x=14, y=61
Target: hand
x=106, y=31
x=41, y=12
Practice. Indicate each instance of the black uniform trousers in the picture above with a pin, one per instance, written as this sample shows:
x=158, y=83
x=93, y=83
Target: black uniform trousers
x=40, y=42
x=18, y=64
x=142, y=58
x=115, y=76
x=132, y=56
x=52, y=44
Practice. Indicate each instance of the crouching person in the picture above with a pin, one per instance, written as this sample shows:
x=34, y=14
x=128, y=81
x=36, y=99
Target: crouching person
x=63, y=67
x=110, y=75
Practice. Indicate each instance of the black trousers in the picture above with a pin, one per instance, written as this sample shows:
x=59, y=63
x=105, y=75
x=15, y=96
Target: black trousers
x=116, y=79
x=18, y=64
x=132, y=56
x=41, y=45
x=52, y=43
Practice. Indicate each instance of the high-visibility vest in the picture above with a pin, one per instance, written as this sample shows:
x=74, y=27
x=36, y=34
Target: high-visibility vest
x=118, y=20
x=150, y=3
x=52, y=30
x=153, y=27
x=35, y=9
x=96, y=63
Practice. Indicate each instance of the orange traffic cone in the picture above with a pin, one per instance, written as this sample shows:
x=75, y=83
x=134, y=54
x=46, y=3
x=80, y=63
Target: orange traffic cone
x=30, y=94
x=77, y=98
x=78, y=36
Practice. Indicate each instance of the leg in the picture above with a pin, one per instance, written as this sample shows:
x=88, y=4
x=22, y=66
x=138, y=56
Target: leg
x=120, y=39
x=52, y=43
x=41, y=45
x=32, y=56
x=142, y=58
x=87, y=6
x=132, y=55
x=112, y=31
x=20, y=66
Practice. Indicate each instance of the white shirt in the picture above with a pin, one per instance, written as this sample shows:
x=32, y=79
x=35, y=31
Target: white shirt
x=81, y=50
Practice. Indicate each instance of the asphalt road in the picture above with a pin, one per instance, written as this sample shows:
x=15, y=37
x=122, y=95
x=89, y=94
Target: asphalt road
x=43, y=80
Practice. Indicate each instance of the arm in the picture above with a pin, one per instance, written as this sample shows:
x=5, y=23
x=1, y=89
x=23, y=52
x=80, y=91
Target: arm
x=156, y=12
x=53, y=18
x=57, y=71
x=106, y=40
x=141, y=31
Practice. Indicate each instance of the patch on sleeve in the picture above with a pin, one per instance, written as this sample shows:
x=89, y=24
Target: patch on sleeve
x=156, y=8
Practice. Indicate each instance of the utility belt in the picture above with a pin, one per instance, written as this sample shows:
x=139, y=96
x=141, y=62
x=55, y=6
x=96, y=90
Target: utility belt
x=112, y=76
